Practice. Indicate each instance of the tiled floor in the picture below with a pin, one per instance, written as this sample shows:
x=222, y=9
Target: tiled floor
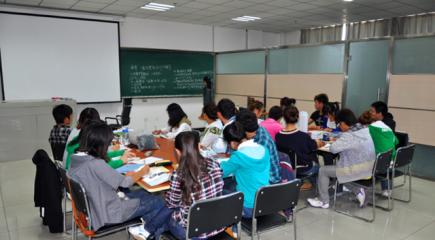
x=19, y=219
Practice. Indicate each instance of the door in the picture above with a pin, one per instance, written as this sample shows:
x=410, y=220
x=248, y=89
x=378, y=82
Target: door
x=367, y=74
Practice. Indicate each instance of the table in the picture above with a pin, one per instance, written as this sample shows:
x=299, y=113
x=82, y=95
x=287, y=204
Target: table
x=167, y=152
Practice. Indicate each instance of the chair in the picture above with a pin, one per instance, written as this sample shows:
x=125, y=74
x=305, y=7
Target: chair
x=212, y=214
x=382, y=163
x=403, y=138
x=66, y=190
x=265, y=215
x=294, y=162
x=80, y=205
x=198, y=134
x=124, y=118
x=58, y=150
x=404, y=156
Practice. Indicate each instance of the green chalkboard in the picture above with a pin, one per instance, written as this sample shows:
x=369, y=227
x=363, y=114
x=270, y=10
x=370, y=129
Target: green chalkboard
x=148, y=73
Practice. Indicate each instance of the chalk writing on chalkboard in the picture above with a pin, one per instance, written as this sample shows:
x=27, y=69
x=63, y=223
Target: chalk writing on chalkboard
x=151, y=78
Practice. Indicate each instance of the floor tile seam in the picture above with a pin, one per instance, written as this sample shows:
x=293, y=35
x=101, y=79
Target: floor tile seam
x=4, y=211
x=304, y=225
x=419, y=229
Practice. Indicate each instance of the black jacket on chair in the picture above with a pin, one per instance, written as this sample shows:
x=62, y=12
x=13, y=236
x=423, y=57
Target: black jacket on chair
x=48, y=192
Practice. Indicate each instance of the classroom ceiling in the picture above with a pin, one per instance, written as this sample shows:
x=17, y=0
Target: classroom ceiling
x=276, y=15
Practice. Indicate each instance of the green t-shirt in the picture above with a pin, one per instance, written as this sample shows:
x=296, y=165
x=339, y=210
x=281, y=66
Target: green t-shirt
x=383, y=138
x=114, y=164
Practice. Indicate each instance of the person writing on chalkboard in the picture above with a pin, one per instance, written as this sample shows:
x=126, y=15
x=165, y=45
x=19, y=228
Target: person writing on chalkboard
x=207, y=92
x=177, y=122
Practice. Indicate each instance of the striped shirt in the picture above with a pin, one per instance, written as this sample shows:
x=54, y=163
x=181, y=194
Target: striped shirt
x=263, y=138
x=211, y=186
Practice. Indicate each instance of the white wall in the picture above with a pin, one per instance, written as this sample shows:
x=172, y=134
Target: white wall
x=229, y=39
x=292, y=38
x=271, y=39
x=255, y=39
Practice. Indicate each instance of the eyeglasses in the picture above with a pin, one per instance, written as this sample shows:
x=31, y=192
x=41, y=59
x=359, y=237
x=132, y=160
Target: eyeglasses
x=338, y=125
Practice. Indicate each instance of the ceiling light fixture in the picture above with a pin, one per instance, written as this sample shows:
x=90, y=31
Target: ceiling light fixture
x=347, y=0
x=245, y=18
x=157, y=6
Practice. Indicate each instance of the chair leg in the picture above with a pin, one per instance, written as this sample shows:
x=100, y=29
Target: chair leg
x=351, y=215
x=294, y=223
x=239, y=230
x=64, y=210
x=254, y=229
x=410, y=189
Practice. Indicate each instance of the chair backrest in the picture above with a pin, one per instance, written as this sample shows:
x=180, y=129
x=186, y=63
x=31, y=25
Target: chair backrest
x=63, y=176
x=197, y=134
x=58, y=150
x=382, y=162
x=79, y=197
x=403, y=138
x=291, y=154
x=126, y=109
x=277, y=197
x=404, y=156
x=212, y=214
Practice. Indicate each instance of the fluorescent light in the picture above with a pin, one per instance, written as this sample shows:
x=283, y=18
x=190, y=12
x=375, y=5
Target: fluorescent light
x=157, y=7
x=347, y=0
x=161, y=5
x=151, y=8
x=245, y=18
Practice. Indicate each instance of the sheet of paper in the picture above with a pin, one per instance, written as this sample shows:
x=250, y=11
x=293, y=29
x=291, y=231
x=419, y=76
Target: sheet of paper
x=160, y=169
x=115, y=158
x=148, y=160
x=128, y=167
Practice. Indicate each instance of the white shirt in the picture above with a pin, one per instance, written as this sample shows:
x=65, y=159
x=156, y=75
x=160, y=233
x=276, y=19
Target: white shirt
x=331, y=125
x=74, y=132
x=209, y=136
x=184, y=127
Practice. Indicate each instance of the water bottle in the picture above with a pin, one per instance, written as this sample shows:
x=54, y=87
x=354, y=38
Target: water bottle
x=126, y=139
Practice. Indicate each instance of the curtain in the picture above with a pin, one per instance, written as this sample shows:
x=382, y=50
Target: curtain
x=321, y=34
x=416, y=24
x=368, y=29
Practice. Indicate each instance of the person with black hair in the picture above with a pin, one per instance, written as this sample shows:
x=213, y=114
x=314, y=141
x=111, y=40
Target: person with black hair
x=329, y=110
x=197, y=178
x=357, y=158
x=89, y=168
x=317, y=116
x=301, y=143
x=249, y=165
x=380, y=112
x=177, y=122
x=213, y=129
x=74, y=144
x=272, y=124
x=260, y=135
x=226, y=111
x=62, y=115
x=287, y=102
x=207, y=92
x=257, y=107
x=87, y=113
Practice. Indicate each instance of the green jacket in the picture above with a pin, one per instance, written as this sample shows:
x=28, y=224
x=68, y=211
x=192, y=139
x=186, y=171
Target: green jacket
x=114, y=164
x=383, y=138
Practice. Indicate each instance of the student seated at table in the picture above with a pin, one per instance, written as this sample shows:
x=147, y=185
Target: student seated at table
x=272, y=124
x=88, y=167
x=177, y=122
x=357, y=157
x=384, y=140
x=286, y=102
x=301, y=143
x=380, y=112
x=317, y=116
x=226, y=113
x=260, y=136
x=62, y=115
x=214, y=126
x=90, y=114
x=74, y=144
x=249, y=165
x=185, y=190
x=257, y=108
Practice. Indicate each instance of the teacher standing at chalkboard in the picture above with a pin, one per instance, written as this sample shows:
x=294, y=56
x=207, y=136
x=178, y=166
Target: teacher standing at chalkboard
x=207, y=92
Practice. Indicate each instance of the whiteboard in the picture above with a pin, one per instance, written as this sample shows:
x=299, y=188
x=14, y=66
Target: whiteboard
x=44, y=57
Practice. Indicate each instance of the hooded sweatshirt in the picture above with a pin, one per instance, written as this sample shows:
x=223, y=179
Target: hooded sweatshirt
x=272, y=126
x=357, y=154
x=383, y=138
x=101, y=181
x=183, y=126
x=250, y=166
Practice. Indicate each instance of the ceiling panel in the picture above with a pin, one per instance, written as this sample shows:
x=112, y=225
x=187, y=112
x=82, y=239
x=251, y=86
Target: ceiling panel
x=277, y=15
